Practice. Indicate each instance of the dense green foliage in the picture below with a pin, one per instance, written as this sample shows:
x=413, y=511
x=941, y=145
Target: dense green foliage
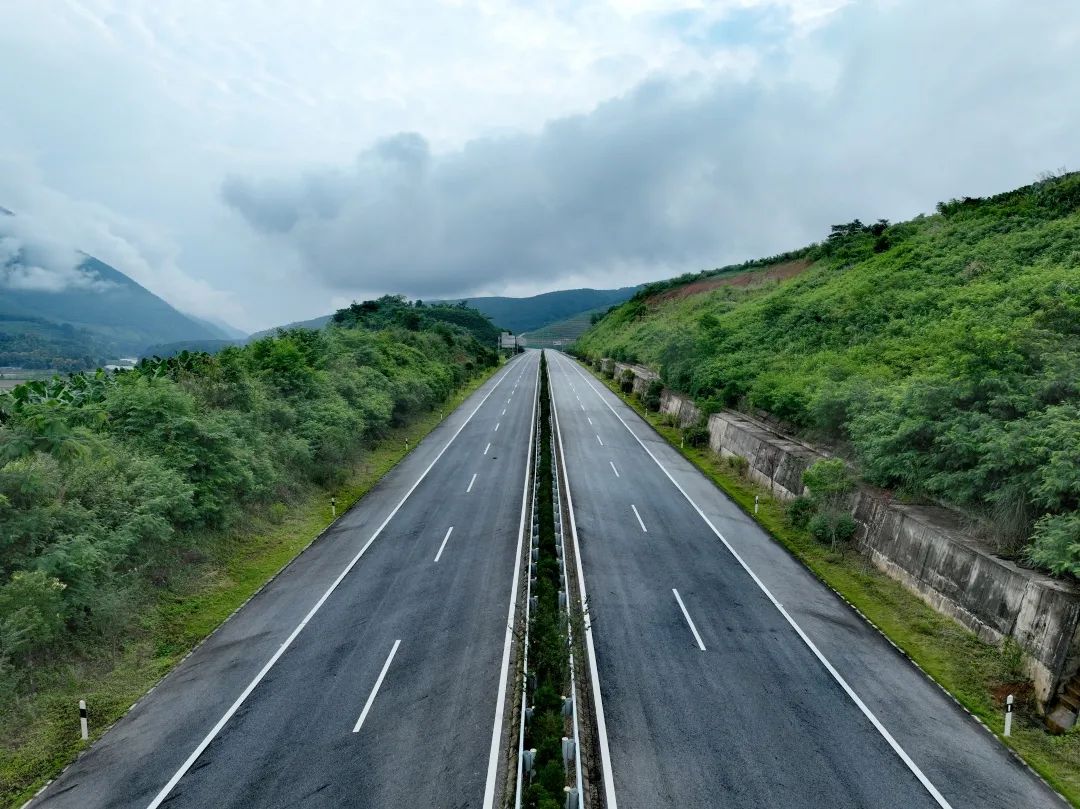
x=440, y=318
x=37, y=343
x=106, y=480
x=943, y=353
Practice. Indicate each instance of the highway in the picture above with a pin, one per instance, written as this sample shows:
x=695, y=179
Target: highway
x=728, y=675
x=371, y=671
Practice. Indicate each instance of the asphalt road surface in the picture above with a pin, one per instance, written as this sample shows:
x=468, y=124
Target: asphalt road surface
x=369, y=673
x=729, y=676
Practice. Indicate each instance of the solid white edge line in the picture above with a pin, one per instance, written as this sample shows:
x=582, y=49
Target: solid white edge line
x=471, y=482
x=216, y=729
x=686, y=615
x=590, y=649
x=613, y=469
x=640, y=521
x=911, y=765
x=449, y=531
x=378, y=684
x=504, y=674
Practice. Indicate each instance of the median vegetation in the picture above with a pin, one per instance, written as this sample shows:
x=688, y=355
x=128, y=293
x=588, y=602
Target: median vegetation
x=942, y=355
x=138, y=509
x=548, y=652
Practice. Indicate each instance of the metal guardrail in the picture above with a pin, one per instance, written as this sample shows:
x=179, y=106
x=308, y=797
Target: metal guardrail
x=574, y=794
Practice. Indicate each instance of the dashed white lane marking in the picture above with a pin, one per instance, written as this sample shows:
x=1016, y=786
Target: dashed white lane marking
x=598, y=439
x=496, y=426
x=251, y=686
x=613, y=469
x=449, y=531
x=639, y=520
x=686, y=615
x=471, y=482
x=487, y=448
x=378, y=683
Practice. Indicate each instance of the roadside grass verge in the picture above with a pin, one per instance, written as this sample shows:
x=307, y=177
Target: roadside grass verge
x=39, y=734
x=977, y=674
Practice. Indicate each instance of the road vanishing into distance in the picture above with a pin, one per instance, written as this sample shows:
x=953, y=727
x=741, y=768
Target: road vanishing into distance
x=373, y=671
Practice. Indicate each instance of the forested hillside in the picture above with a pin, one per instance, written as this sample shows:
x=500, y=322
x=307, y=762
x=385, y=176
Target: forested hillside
x=111, y=484
x=942, y=354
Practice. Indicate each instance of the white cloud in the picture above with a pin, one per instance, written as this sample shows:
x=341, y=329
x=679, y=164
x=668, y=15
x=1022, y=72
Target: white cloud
x=682, y=174
x=769, y=118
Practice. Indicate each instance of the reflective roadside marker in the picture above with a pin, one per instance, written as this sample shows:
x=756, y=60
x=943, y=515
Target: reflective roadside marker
x=82, y=720
x=1008, y=715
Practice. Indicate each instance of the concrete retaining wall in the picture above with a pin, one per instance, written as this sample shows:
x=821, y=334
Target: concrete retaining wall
x=925, y=548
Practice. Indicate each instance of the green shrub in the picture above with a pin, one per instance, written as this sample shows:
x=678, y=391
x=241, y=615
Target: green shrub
x=651, y=399
x=799, y=511
x=696, y=435
x=737, y=465
x=1056, y=543
x=277, y=513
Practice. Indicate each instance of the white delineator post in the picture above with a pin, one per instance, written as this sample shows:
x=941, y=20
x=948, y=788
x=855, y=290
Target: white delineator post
x=1008, y=715
x=756, y=499
x=82, y=720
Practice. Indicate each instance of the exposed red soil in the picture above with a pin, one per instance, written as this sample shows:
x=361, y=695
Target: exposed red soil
x=777, y=272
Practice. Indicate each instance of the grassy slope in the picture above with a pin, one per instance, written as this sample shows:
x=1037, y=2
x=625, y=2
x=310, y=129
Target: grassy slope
x=40, y=735
x=977, y=674
x=946, y=358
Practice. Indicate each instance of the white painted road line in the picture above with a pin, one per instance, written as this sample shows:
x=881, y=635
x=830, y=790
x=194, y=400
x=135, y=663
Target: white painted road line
x=590, y=421
x=613, y=469
x=471, y=482
x=639, y=520
x=508, y=637
x=497, y=426
x=504, y=412
x=378, y=683
x=686, y=615
x=487, y=448
x=449, y=531
x=598, y=439
x=216, y=729
x=862, y=706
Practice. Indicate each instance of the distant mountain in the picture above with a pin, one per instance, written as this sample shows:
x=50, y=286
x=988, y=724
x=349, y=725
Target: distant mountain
x=315, y=323
x=516, y=314
x=53, y=321
x=226, y=330
x=172, y=349
x=526, y=314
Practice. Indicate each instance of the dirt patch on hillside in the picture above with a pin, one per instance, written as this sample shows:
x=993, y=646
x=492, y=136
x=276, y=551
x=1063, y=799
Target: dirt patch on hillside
x=777, y=272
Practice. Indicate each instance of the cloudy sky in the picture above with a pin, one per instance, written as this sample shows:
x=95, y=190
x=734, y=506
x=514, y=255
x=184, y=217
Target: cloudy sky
x=261, y=161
